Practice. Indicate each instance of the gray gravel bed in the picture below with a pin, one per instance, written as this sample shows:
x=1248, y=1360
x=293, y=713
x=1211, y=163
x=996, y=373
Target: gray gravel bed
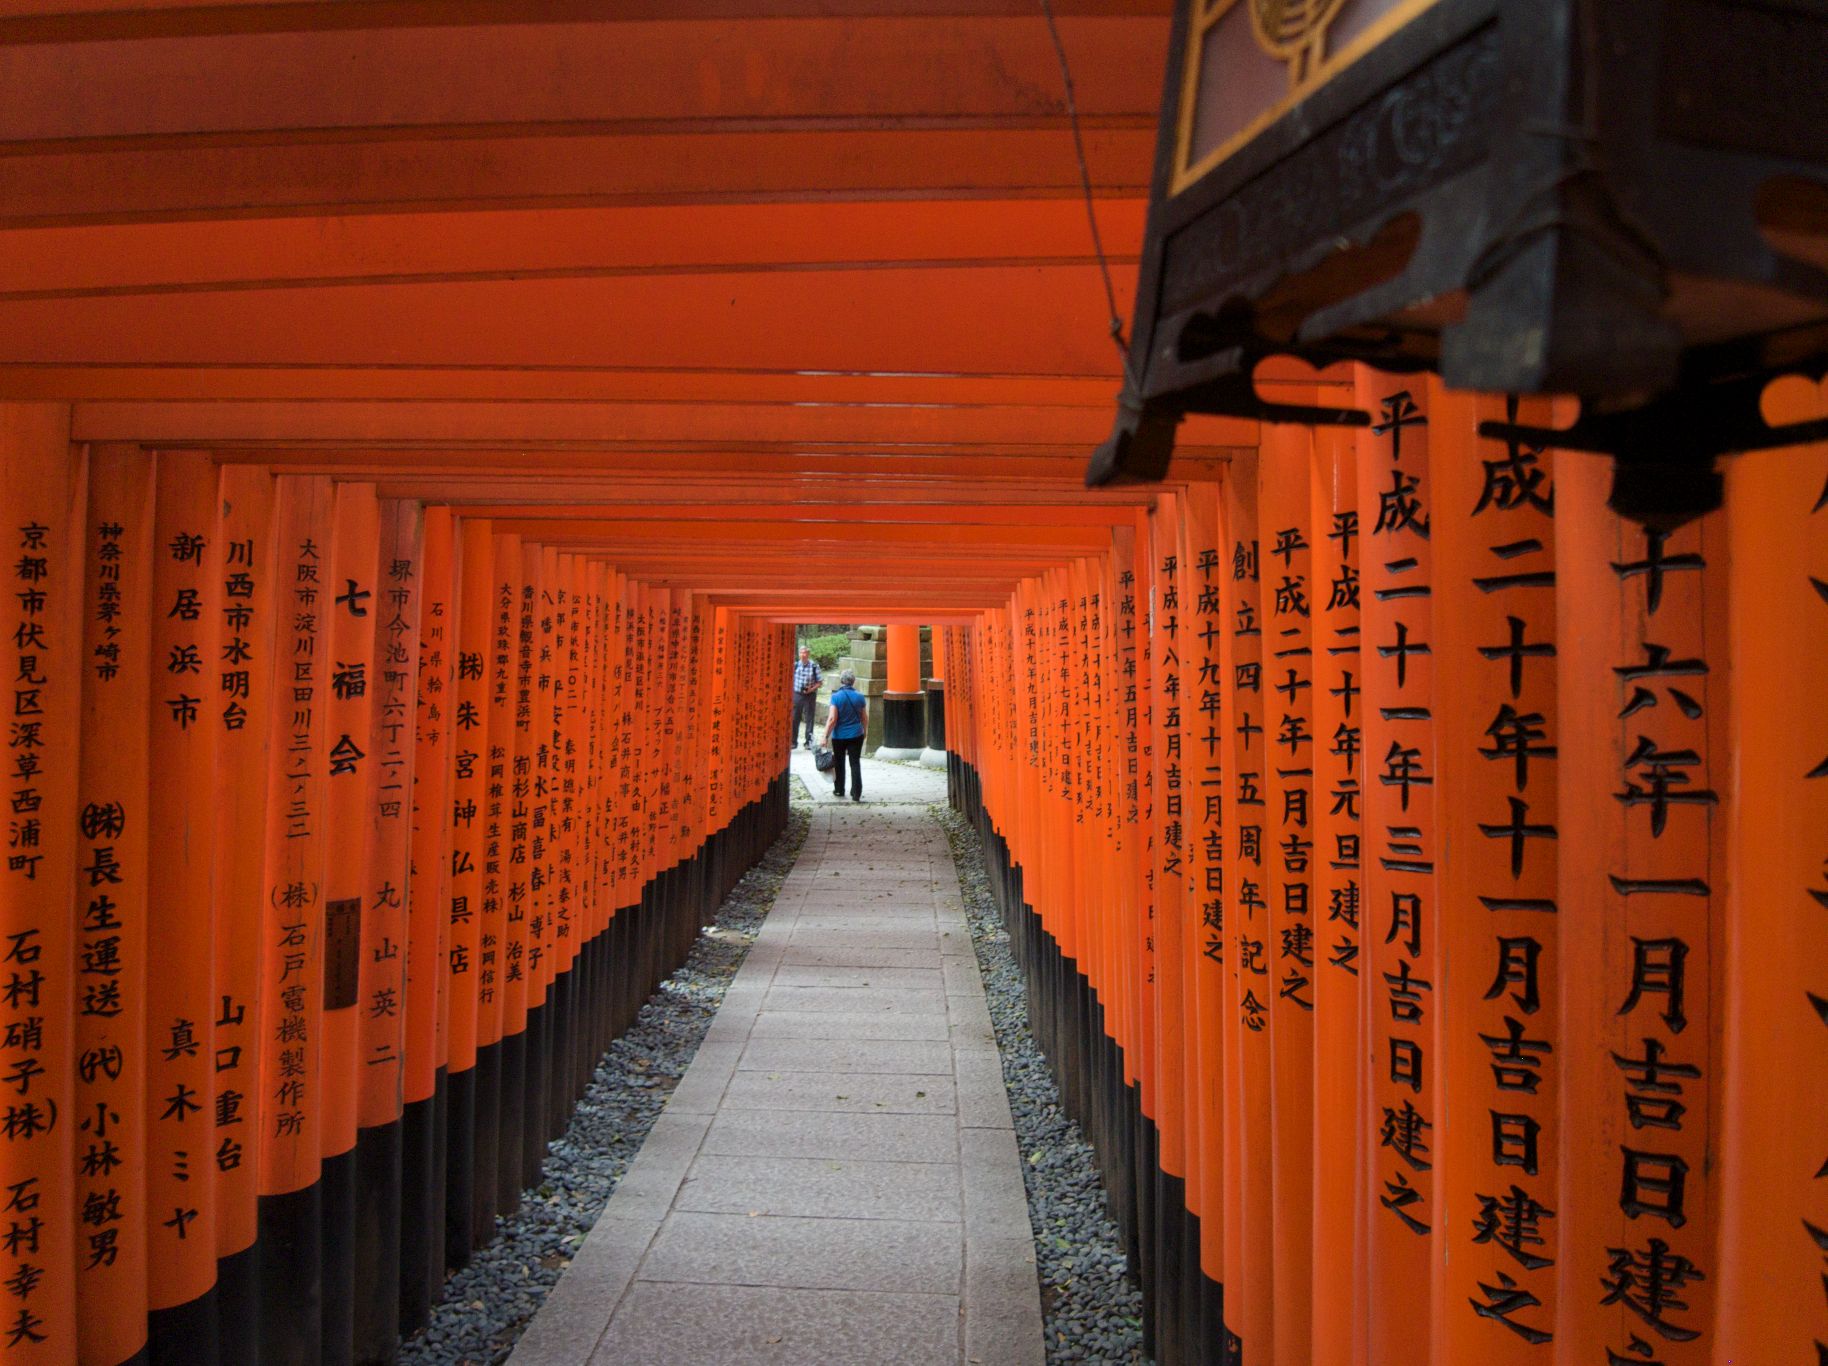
x=1091, y=1310
x=489, y=1302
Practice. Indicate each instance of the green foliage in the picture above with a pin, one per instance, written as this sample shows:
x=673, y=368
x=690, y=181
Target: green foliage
x=826, y=649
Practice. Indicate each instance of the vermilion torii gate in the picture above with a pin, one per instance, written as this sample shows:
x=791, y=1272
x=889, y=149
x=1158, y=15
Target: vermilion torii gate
x=419, y=425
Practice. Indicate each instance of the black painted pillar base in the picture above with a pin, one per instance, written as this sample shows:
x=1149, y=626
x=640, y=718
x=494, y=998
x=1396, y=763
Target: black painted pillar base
x=934, y=755
x=1183, y=1309
x=904, y=725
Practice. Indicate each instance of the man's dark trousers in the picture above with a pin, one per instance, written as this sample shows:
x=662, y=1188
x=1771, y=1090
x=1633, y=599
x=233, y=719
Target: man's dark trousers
x=804, y=704
x=854, y=749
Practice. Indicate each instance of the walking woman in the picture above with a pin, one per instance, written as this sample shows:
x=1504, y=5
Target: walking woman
x=845, y=725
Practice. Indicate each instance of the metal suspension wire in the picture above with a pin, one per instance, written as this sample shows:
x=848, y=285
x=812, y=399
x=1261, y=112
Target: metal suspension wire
x=1085, y=185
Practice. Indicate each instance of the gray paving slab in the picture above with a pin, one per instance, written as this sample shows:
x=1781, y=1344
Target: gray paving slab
x=574, y=1316
x=850, y=916
x=1002, y=1310
x=981, y=1097
x=822, y=1188
x=664, y=1324
x=959, y=976
x=977, y=1034
x=857, y=1000
x=835, y=1024
x=907, y=1093
x=968, y=1010
x=813, y=953
x=877, y=938
x=834, y=917
x=857, y=976
x=955, y=942
x=701, y=1089
x=847, y=1055
x=991, y=1166
x=836, y=1178
x=809, y=1254
x=818, y=1133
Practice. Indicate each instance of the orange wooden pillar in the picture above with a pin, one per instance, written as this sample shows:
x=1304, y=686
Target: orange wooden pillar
x=594, y=761
x=1176, y=904
x=566, y=906
x=351, y=605
x=109, y=1113
x=1125, y=862
x=1101, y=834
x=422, y=1140
x=1341, y=986
x=1494, y=544
x=571, y=905
x=1072, y=779
x=904, y=707
x=247, y=685
x=1168, y=924
x=469, y=746
x=585, y=944
x=1402, y=906
x=1249, y=1233
x=1087, y=665
x=520, y=950
x=628, y=795
x=1076, y=793
x=561, y=922
x=1644, y=809
x=1136, y=580
x=1285, y=566
x=381, y=982
x=1204, y=556
x=1773, y=1148
x=180, y=966
x=42, y=489
x=292, y=907
x=934, y=755
x=537, y=686
x=504, y=1020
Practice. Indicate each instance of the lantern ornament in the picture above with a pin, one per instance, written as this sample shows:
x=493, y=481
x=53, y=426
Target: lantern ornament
x=1625, y=201
x=1294, y=30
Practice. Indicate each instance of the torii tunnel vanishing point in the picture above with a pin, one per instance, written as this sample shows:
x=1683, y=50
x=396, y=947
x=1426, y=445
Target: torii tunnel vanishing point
x=419, y=433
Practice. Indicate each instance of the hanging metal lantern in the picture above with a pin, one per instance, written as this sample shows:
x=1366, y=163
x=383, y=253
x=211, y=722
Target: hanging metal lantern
x=1622, y=200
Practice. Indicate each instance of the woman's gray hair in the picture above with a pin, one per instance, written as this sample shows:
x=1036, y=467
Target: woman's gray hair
x=847, y=679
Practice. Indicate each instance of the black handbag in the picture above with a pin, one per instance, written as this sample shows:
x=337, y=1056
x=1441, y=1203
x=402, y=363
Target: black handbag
x=824, y=758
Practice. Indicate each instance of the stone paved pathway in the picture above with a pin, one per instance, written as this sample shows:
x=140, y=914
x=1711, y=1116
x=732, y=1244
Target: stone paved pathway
x=836, y=1179
x=881, y=782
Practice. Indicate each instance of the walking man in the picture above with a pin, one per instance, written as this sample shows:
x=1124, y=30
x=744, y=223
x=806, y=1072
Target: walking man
x=806, y=680
x=845, y=724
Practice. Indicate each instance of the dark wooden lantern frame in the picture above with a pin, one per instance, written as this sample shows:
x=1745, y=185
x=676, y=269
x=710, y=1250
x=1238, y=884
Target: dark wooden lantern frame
x=1621, y=200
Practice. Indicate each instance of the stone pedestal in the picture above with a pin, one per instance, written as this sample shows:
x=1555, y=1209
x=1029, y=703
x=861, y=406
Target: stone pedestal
x=934, y=755
x=904, y=725
x=866, y=658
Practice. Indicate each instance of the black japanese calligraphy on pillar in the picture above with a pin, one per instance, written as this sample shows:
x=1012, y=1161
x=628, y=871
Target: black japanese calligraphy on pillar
x=1338, y=720
x=1169, y=769
x=504, y=618
x=1288, y=659
x=1668, y=804
x=110, y=900
x=1400, y=910
x=1243, y=706
x=183, y=753
x=1814, y=891
x=1494, y=537
x=1207, y=739
x=381, y=986
x=291, y=1000
x=1642, y=837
